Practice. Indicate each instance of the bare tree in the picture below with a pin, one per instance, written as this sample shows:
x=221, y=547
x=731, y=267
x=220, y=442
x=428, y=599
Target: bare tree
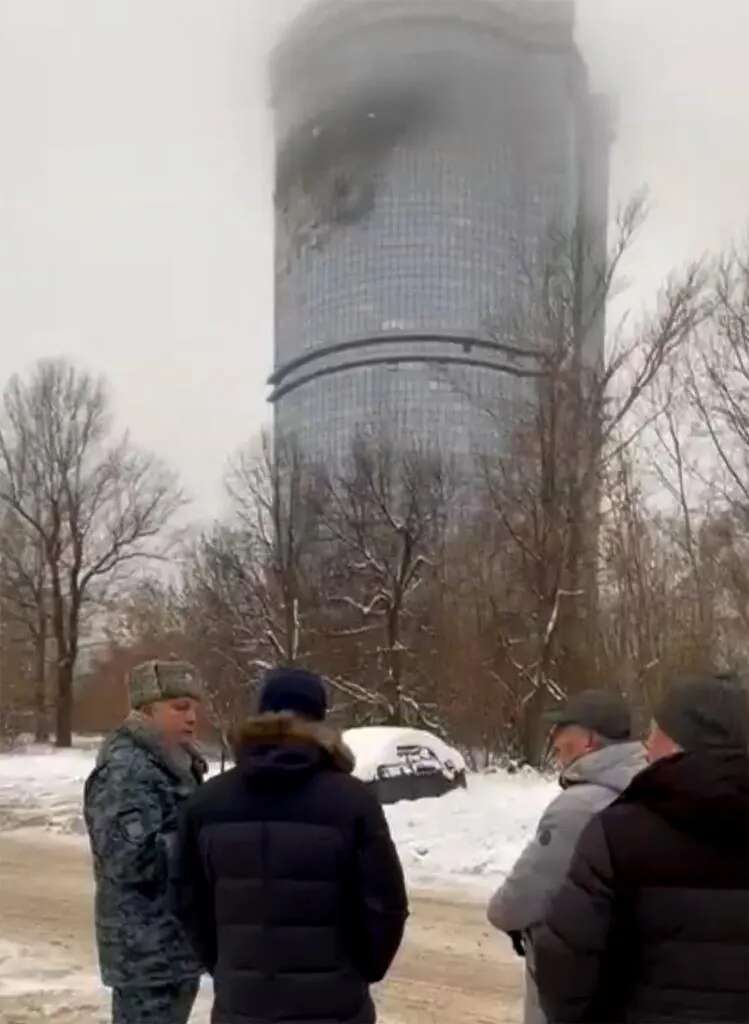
x=701, y=461
x=144, y=614
x=677, y=471
x=277, y=505
x=383, y=523
x=96, y=505
x=646, y=597
x=25, y=604
x=544, y=488
x=222, y=619
x=245, y=599
x=140, y=623
x=717, y=378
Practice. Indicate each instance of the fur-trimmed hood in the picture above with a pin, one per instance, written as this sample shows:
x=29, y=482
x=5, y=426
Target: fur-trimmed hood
x=266, y=741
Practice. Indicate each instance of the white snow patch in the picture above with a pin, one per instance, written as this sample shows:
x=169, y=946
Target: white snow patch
x=25, y=970
x=38, y=983
x=466, y=840
x=42, y=786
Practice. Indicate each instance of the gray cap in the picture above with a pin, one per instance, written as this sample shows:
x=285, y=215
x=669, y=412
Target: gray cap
x=707, y=713
x=598, y=710
x=162, y=680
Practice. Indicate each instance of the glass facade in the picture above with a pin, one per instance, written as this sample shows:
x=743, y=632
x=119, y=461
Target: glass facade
x=462, y=411
x=409, y=217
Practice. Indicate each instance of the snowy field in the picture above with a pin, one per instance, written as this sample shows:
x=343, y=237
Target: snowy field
x=464, y=841
x=458, y=847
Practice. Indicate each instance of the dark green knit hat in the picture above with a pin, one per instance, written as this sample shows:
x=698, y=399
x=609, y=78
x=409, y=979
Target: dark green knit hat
x=162, y=680
x=706, y=713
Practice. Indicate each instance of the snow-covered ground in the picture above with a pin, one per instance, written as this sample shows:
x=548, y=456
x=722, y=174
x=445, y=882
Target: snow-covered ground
x=467, y=840
x=40, y=786
x=460, y=845
x=22, y=975
x=37, y=985
x=464, y=841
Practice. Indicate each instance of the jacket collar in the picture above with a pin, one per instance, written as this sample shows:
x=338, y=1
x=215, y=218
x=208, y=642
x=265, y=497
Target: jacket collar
x=613, y=766
x=279, y=729
x=185, y=763
x=702, y=792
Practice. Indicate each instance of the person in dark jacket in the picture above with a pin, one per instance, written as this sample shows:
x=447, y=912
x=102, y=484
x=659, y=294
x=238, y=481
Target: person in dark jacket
x=289, y=882
x=652, y=925
x=144, y=771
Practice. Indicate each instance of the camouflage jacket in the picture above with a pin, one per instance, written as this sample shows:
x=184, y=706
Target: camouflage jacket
x=131, y=805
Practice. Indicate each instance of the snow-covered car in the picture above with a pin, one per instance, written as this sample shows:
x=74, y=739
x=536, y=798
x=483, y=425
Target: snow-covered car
x=405, y=764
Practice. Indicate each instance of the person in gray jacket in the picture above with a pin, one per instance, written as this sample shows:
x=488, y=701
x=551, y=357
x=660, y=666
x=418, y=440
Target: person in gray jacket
x=145, y=771
x=591, y=738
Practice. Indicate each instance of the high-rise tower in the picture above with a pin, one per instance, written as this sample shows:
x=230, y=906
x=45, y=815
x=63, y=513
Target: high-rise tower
x=424, y=151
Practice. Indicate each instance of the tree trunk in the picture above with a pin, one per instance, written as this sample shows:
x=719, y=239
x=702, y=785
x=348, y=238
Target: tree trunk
x=64, y=714
x=533, y=733
x=395, y=669
x=41, y=726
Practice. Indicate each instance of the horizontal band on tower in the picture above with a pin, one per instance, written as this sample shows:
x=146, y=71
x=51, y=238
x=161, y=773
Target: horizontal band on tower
x=282, y=389
x=466, y=342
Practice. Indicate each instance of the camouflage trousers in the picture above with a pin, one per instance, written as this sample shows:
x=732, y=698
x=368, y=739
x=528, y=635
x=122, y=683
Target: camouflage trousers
x=170, y=1005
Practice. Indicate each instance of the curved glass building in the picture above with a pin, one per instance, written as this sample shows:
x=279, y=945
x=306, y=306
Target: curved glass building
x=425, y=149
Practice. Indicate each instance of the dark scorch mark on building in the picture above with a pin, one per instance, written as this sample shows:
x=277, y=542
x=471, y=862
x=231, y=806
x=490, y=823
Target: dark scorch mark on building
x=327, y=169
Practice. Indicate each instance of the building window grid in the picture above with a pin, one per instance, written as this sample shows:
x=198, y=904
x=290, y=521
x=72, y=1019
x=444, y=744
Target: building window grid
x=467, y=274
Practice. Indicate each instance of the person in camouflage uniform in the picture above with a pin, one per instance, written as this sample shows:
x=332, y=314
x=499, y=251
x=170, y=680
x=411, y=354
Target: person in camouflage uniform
x=144, y=772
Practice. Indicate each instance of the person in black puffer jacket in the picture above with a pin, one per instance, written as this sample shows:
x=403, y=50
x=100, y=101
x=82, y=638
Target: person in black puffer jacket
x=652, y=925
x=288, y=880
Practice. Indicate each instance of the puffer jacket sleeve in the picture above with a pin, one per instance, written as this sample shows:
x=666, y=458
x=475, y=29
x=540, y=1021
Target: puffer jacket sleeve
x=522, y=901
x=192, y=891
x=124, y=818
x=570, y=949
x=379, y=892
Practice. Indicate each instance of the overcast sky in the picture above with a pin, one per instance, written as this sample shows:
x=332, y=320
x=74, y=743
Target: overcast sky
x=135, y=185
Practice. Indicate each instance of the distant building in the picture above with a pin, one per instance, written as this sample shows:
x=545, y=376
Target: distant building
x=425, y=149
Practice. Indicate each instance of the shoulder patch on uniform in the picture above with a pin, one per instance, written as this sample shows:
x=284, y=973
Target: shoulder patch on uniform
x=132, y=826
x=544, y=836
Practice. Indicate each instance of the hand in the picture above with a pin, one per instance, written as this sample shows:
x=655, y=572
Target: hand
x=518, y=943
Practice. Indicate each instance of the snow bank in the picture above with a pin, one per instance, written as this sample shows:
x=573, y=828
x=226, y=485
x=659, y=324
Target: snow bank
x=464, y=841
x=469, y=839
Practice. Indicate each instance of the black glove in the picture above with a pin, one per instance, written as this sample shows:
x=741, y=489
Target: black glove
x=517, y=942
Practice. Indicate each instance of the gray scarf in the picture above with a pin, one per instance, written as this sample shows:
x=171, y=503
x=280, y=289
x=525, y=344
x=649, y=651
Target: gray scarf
x=183, y=759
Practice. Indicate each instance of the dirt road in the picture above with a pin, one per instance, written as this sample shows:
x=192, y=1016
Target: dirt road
x=451, y=969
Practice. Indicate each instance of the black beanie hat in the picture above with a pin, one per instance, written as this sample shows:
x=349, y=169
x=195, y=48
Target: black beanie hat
x=708, y=713
x=295, y=690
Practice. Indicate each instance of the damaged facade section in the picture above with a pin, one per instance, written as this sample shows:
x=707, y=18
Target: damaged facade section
x=423, y=152
x=329, y=167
